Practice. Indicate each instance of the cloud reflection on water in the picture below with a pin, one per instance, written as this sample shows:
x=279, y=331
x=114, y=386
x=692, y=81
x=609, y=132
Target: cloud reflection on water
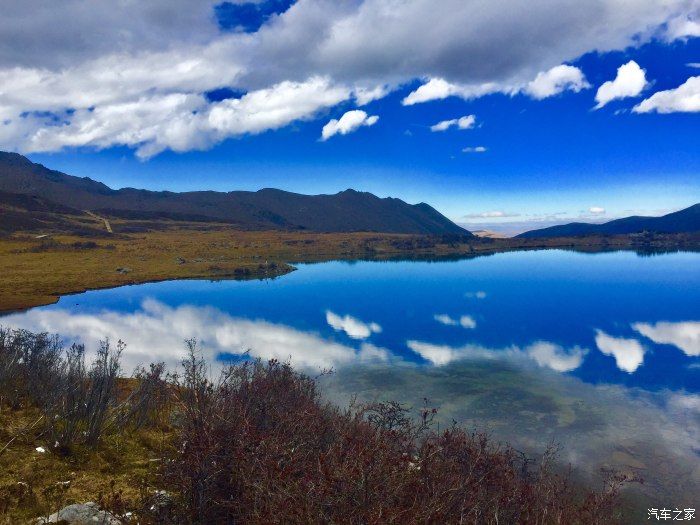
x=544, y=353
x=465, y=321
x=628, y=353
x=654, y=433
x=156, y=332
x=683, y=335
x=352, y=326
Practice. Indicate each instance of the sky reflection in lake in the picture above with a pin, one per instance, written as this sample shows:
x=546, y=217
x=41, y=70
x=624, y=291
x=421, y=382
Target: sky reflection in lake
x=605, y=318
x=598, y=351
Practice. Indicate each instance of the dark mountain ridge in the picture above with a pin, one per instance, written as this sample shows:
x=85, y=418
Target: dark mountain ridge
x=683, y=221
x=347, y=211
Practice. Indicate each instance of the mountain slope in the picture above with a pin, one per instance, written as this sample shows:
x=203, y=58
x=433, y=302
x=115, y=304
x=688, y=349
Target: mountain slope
x=346, y=211
x=687, y=220
x=26, y=213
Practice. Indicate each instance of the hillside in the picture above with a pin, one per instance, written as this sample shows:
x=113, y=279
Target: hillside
x=683, y=221
x=347, y=211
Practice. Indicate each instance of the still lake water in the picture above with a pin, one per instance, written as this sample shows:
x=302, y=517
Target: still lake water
x=598, y=352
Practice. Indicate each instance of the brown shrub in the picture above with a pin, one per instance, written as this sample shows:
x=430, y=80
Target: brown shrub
x=259, y=446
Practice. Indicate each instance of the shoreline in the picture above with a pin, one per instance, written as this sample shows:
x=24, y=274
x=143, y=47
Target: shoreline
x=39, y=271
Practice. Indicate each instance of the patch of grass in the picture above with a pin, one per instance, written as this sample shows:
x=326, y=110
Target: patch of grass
x=36, y=484
x=38, y=271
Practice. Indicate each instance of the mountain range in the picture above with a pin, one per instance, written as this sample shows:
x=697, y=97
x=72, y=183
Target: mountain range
x=34, y=197
x=683, y=221
x=266, y=209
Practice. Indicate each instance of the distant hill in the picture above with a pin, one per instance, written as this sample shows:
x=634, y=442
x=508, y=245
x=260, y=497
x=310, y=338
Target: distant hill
x=683, y=221
x=347, y=211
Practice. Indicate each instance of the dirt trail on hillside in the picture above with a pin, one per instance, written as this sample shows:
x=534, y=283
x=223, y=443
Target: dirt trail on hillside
x=95, y=216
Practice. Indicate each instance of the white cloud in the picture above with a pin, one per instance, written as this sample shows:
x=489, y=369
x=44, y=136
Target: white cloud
x=628, y=353
x=160, y=58
x=434, y=89
x=474, y=149
x=157, y=332
x=183, y=122
x=466, y=122
x=556, y=80
x=365, y=95
x=695, y=65
x=439, y=89
x=352, y=326
x=465, y=321
x=544, y=353
x=684, y=98
x=476, y=295
x=349, y=122
x=277, y=106
x=683, y=335
x=546, y=84
x=682, y=27
x=596, y=210
x=629, y=82
x=495, y=214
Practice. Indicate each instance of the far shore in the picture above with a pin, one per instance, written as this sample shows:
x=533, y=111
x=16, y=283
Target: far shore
x=38, y=269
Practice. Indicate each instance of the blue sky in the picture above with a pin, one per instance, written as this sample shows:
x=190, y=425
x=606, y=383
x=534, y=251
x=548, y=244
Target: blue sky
x=549, y=156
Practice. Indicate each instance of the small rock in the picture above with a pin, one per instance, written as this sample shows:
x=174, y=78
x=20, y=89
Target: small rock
x=81, y=514
x=123, y=270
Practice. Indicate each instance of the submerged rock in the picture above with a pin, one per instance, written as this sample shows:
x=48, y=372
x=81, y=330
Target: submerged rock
x=81, y=514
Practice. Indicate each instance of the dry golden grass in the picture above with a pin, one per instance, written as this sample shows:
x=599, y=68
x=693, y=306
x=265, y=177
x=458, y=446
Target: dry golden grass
x=34, y=484
x=38, y=271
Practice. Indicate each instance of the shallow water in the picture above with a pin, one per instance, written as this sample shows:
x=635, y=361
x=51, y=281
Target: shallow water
x=599, y=352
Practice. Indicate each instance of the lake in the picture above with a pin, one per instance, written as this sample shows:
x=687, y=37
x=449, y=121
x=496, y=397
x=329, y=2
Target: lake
x=597, y=352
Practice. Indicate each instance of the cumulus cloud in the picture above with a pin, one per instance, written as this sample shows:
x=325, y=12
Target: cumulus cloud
x=466, y=122
x=629, y=82
x=439, y=88
x=683, y=335
x=596, y=210
x=474, y=149
x=349, y=122
x=556, y=80
x=683, y=99
x=545, y=354
x=465, y=321
x=70, y=68
x=628, y=353
x=157, y=331
x=352, y=326
x=178, y=121
x=546, y=84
